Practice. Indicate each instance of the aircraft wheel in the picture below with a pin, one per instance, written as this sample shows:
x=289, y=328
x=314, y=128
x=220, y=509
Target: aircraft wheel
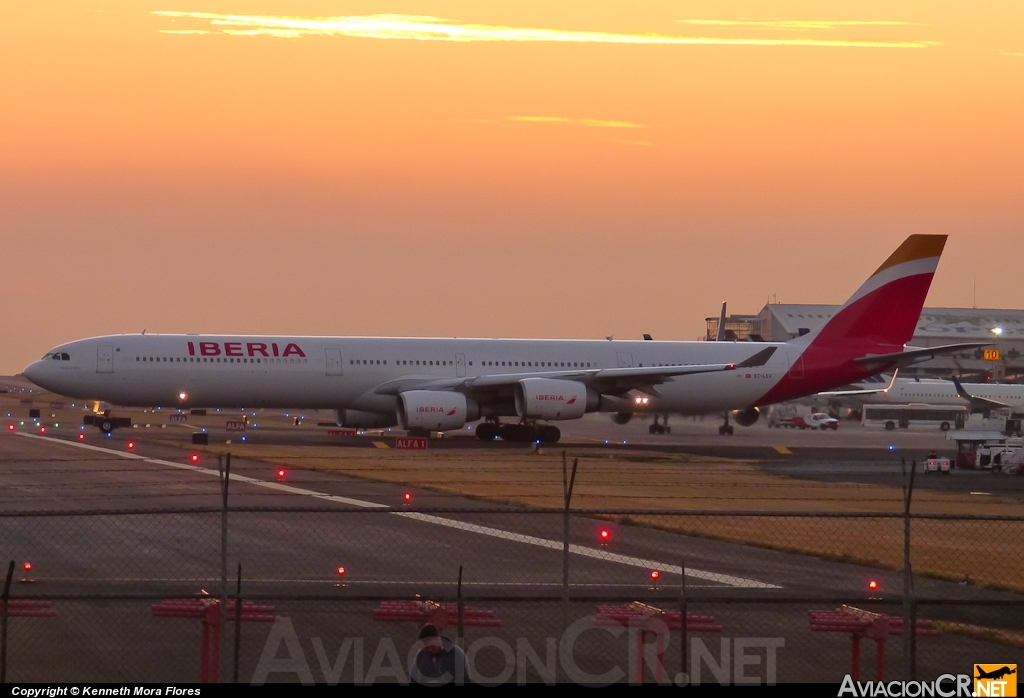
x=517, y=432
x=549, y=434
x=729, y=430
x=487, y=431
x=652, y=429
x=721, y=430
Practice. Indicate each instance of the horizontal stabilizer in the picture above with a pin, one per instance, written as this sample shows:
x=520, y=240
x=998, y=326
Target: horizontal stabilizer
x=913, y=356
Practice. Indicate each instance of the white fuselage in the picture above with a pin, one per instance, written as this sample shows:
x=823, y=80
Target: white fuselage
x=906, y=391
x=346, y=372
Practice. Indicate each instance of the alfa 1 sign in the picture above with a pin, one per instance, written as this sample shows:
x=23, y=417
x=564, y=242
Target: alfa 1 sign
x=411, y=443
x=235, y=425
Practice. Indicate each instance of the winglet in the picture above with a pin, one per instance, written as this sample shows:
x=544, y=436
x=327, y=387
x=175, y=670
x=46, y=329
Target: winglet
x=960, y=391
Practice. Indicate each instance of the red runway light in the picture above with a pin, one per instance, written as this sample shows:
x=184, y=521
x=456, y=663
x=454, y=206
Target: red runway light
x=131, y=445
x=28, y=566
x=872, y=585
x=341, y=571
x=655, y=574
x=42, y=430
x=10, y=427
x=605, y=534
x=81, y=437
x=194, y=458
x=407, y=497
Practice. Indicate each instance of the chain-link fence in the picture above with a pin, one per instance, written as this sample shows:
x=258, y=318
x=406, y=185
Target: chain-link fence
x=335, y=594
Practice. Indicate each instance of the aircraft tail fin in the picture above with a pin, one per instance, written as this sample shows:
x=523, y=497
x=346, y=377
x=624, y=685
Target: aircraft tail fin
x=884, y=312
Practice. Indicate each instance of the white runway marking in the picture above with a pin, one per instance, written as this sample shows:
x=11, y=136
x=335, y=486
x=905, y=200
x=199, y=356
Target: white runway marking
x=583, y=551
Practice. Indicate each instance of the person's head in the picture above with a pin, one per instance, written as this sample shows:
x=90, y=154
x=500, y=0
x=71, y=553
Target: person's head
x=430, y=638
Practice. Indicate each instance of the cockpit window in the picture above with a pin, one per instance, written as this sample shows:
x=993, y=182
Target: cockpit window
x=58, y=356
x=65, y=357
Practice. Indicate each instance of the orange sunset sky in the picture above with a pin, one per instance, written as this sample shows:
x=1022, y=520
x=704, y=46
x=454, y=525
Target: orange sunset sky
x=535, y=169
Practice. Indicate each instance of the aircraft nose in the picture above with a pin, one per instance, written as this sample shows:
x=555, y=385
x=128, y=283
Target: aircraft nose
x=34, y=372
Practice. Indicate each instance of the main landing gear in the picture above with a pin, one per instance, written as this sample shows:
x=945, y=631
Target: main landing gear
x=725, y=428
x=523, y=433
x=662, y=428
x=106, y=422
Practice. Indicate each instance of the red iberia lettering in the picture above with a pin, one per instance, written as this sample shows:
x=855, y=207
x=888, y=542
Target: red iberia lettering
x=253, y=347
x=292, y=349
x=232, y=348
x=209, y=349
x=191, y=349
x=274, y=346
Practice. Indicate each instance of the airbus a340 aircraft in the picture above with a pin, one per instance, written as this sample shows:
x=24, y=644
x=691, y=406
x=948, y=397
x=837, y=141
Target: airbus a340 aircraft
x=443, y=384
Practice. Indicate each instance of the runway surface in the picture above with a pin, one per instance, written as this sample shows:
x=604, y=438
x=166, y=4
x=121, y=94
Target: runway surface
x=384, y=548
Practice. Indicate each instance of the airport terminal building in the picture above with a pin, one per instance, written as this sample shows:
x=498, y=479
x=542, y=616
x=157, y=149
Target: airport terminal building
x=779, y=322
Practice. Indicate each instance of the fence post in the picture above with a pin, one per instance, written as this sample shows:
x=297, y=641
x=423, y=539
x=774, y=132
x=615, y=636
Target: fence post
x=3, y=622
x=683, y=632
x=225, y=475
x=567, y=485
x=238, y=624
x=909, y=603
x=461, y=608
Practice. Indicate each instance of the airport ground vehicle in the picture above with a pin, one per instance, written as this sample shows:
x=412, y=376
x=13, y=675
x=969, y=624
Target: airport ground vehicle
x=937, y=465
x=817, y=420
x=1005, y=457
x=440, y=384
x=907, y=416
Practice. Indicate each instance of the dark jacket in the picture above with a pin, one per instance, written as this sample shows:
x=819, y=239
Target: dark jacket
x=445, y=667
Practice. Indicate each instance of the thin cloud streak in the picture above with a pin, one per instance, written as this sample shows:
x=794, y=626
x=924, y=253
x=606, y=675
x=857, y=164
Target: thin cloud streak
x=594, y=123
x=798, y=24
x=421, y=28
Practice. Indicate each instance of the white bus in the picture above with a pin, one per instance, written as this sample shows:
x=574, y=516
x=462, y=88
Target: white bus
x=891, y=417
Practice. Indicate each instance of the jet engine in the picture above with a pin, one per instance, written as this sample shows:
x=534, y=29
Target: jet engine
x=435, y=410
x=547, y=398
x=357, y=419
x=747, y=417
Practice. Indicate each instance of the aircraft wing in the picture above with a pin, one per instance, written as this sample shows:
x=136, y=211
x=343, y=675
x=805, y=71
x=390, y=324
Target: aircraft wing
x=913, y=356
x=612, y=381
x=978, y=404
